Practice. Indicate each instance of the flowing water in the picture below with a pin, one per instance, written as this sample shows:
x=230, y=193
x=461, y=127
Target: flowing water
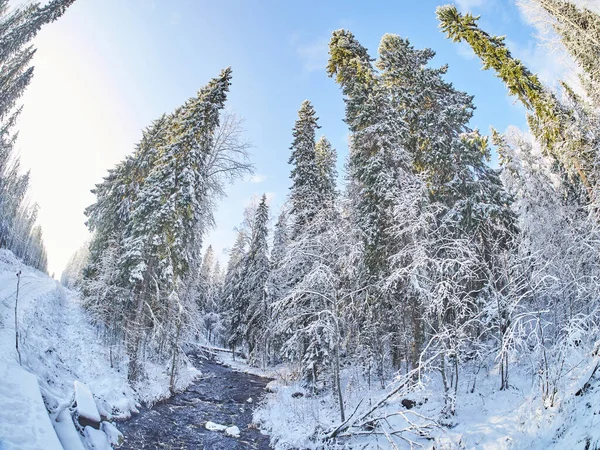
x=220, y=396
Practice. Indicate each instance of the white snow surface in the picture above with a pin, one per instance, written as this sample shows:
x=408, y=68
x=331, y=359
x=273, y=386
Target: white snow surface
x=487, y=418
x=212, y=426
x=66, y=431
x=86, y=406
x=96, y=439
x=232, y=431
x=24, y=423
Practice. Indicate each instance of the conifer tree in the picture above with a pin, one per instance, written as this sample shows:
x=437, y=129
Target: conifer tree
x=254, y=295
x=151, y=214
x=205, y=282
x=579, y=30
x=18, y=26
x=325, y=159
x=305, y=176
x=378, y=162
x=549, y=120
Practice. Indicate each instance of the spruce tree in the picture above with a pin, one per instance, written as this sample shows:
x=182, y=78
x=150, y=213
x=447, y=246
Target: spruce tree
x=205, y=282
x=151, y=213
x=325, y=160
x=304, y=175
x=549, y=120
x=254, y=295
x=18, y=26
x=377, y=163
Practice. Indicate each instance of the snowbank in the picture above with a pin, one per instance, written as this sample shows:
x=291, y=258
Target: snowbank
x=67, y=353
x=24, y=422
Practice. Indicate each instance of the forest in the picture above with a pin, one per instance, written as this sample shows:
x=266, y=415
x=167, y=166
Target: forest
x=389, y=297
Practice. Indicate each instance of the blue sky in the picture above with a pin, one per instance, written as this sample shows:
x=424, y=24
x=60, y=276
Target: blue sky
x=109, y=67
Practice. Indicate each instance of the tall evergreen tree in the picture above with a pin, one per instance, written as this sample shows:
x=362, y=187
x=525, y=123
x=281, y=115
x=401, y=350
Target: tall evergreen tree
x=550, y=121
x=18, y=26
x=579, y=31
x=257, y=268
x=305, y=176
x=231, y=308
x=205, y=282
x=326, y=159
x=152, y=211
x=378, y=165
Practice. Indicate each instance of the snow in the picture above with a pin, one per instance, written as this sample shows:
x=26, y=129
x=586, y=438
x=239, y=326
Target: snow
x=115, y=437
x=62, y=351
x=96, y=439
x=232, y=431
x=66, y=431
x=86, y=406
x=24, y=423
x=212, y=426
x=488, y=418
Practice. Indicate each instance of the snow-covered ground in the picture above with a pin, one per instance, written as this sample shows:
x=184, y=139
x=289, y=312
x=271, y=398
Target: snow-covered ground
x=487, y=418
x=59, y=346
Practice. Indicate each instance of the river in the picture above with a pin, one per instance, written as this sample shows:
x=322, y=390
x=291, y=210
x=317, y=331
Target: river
x=220, y=396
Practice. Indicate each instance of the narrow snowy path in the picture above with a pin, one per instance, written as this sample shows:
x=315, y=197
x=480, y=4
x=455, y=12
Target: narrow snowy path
x=220, y=396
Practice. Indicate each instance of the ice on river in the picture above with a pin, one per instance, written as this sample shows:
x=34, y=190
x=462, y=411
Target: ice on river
x=215, y=426
x=232, y=431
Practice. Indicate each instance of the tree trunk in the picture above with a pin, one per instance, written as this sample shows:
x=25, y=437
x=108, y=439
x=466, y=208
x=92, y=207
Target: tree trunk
x=175, y=349
x=338, y=382
x=16, y=317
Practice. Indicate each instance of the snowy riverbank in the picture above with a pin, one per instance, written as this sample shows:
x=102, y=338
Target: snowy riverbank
x=59, y=346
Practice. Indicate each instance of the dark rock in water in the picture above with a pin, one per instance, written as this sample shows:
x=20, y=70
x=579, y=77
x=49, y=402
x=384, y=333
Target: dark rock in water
x=407, y=403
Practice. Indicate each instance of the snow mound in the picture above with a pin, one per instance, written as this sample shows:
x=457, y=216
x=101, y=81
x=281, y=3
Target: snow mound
x=24, y=422
x=211, y=426
x=96, y=439
x=86, y=406
x=66, y=431
x=232, y=431
x=115, y=437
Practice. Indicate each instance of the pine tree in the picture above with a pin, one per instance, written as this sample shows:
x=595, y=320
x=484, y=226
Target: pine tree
x=304, y=175
x=232, y=290
x=151, y=213
x=205, y=300
x=245, y=285
x=18, y=26
x=325, y=159
x=378, y=165
x=256, y=274
x=376, y=155
x=307, y=305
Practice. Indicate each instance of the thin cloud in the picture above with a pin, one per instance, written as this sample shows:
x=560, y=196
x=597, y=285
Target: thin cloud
x=313, y=55
x=258, y=178
x=468, y=5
